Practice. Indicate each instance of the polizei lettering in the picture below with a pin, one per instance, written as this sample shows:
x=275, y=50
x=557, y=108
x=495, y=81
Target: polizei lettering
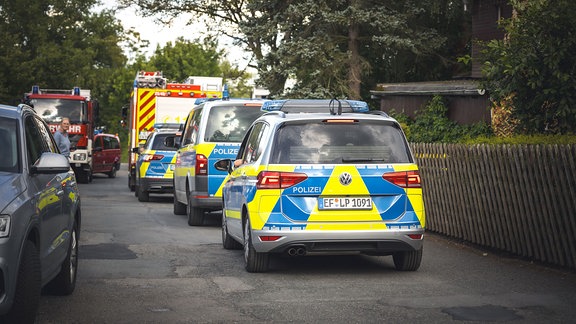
x=226, y=151
x=307, y=190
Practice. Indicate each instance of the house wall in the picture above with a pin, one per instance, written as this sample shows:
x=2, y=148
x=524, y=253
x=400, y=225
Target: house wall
x=463, y=110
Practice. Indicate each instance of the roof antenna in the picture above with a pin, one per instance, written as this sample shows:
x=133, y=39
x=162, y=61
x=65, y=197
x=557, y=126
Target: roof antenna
x=332, y=104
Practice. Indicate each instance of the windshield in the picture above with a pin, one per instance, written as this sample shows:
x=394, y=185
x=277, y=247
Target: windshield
x=9, y=144
x=355, y=142
x=52, y=110
x=157, y=142
x=229, y=123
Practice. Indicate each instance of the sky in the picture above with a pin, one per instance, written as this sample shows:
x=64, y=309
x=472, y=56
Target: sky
x=159, y=34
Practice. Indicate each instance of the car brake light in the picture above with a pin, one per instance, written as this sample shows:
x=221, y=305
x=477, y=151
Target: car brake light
x=201, y=164
x=152, y=157
x=279, y=180
x=404, y=179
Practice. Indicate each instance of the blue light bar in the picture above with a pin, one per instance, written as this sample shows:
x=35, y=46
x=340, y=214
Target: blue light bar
x=358, y=106
x=76, y=91
x=35, y=89
x=273, y=105
x=225, y=93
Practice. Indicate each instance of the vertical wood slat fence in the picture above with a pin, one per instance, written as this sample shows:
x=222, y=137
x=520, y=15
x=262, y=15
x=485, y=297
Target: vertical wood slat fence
x=515, y=198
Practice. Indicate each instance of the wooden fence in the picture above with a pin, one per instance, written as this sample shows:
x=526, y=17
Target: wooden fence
x=515, y=198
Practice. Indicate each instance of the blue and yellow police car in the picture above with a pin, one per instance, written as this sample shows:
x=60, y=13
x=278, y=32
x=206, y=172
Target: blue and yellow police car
x=323, y=176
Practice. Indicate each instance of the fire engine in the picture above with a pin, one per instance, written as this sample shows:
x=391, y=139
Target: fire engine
x=82, y=110
x=155, y=101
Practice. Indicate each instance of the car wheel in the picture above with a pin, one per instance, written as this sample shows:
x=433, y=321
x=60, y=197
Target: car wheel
x=83, y=176
x=407, y=260
x=65, y=282
x=254, y=261
x=142, y=194
x=195, y=215
x=227, y=241
x=28, y=287
x=112, y=173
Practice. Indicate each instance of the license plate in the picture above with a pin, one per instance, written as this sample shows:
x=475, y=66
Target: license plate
x=345, y=203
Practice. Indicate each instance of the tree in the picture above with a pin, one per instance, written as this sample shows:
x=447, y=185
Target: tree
x=534, y=68
x=55, y=44
x=330, y=46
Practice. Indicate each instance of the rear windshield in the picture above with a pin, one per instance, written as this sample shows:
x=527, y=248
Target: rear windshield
x=158, y=143
x=229, y=123
x=355, y=142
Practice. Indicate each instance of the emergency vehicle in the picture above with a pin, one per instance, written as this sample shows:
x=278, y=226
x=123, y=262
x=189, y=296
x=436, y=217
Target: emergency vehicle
x=76, y=104
x=154, y=100
x=323, y=176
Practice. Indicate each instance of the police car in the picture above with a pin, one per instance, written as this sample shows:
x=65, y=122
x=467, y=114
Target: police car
x=337, y=181
x=155, y=164
x=213, y=131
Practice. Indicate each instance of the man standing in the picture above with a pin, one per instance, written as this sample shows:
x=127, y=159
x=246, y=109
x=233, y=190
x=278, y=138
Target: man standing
x=61, y=137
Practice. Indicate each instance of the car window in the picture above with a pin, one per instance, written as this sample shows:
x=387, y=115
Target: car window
x=97, y=142
x=323, y=142
x=229, y=123
x=157, y=143
x=192, y=125
x=9, y=161
x=107, y=142
x=254, y=145
x=38, y=139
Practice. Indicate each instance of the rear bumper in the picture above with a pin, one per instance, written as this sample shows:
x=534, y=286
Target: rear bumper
x=381, y=242
x=157, y=185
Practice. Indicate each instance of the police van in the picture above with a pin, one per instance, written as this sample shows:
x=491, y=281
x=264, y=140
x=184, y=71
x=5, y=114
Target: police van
x=213, y=131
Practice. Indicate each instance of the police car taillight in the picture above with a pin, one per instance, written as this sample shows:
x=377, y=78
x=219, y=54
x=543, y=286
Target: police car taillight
x=404, y=179
x=201, y=164
x=152, y=157
x=278, y=180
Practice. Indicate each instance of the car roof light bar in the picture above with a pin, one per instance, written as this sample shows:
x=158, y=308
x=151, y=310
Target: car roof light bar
x=313, y=105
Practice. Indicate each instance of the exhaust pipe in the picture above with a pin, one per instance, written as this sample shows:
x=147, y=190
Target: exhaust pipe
x=296, y=251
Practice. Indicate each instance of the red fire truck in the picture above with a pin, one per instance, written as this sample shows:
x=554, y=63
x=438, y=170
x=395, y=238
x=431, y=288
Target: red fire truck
x=154, y=101
x=76, y=104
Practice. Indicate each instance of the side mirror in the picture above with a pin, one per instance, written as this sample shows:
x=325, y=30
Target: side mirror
x=224, y=165
x=136, y=150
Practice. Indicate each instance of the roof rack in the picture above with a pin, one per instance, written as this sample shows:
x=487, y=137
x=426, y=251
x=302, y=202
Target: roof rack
x=335, y=106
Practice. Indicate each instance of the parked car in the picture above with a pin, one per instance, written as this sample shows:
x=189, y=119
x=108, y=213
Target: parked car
x=213, y=130
x=39, y=215
x=106, y=154
x=155, y=165
x=337, y=181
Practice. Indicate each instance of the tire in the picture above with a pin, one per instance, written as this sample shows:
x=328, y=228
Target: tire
x=112, y=173
x=131, y=184
x=227, y=241
x=65, y=282
x=195, y=215
x=83, y=176
x=254, y=261
x=28, y=288
x=179, y=208
x=407, y=260
x=142, y=194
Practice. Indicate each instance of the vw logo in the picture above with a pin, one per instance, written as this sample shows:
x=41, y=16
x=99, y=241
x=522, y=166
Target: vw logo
x=345, y=178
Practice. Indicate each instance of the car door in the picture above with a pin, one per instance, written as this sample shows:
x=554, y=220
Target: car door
x=49, y=197
x=97, y=154
x=186, y=154
x=241, y=185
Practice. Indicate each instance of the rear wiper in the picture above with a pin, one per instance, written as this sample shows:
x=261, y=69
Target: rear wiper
x=352, y=159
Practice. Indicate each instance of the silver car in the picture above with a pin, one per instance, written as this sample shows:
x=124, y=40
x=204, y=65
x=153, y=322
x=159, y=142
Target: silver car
x=39, y=215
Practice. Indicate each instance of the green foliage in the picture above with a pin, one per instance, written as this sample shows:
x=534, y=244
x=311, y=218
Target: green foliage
x=335, y=48
x=535, y=66
x=55, y=44
x=431, y=125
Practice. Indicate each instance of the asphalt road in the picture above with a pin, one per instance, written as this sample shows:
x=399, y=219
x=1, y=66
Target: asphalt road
x=140, y=263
